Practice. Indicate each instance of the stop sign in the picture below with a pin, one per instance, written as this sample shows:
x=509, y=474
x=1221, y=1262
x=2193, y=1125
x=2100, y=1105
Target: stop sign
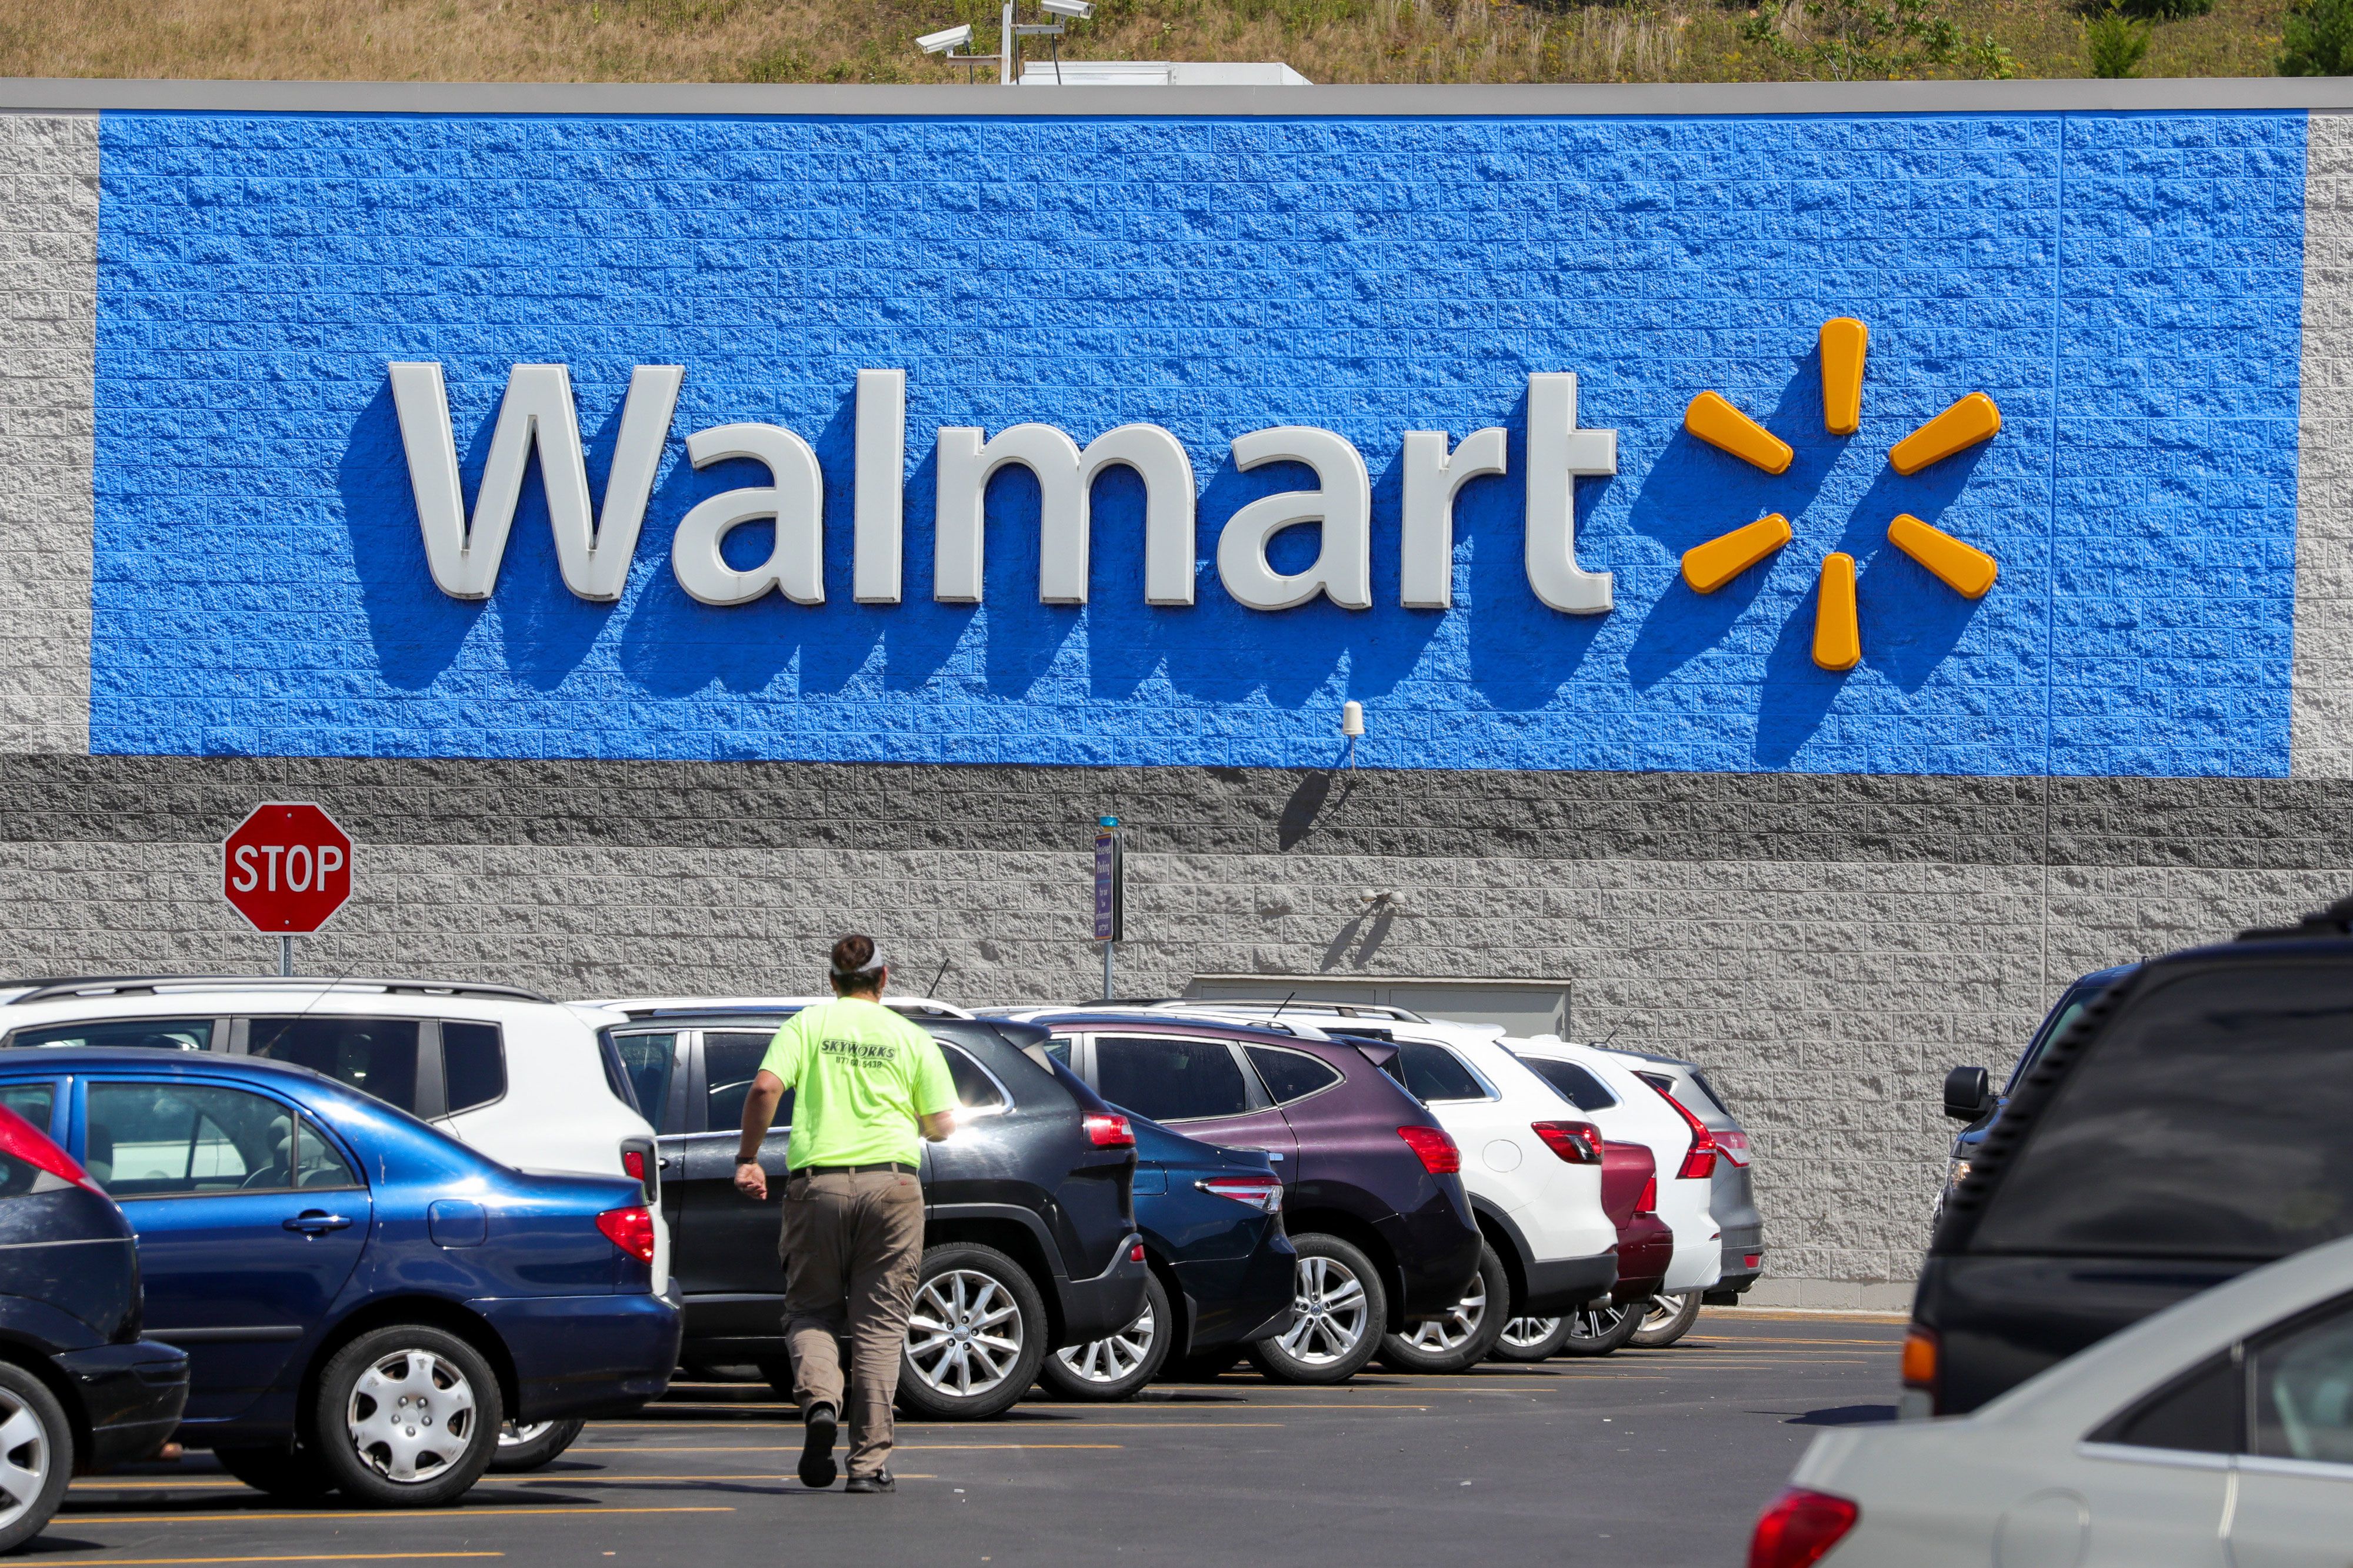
x=287, y=868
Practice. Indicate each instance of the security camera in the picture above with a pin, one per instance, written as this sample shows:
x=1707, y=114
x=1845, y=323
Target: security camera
x=941, y=42
x=1077, y=10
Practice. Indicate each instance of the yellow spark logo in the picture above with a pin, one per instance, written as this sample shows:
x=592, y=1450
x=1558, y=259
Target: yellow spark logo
x=1964, y=568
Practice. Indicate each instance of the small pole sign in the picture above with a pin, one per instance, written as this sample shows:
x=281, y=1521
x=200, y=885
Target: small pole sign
x=287, y=868
x=1111, y=893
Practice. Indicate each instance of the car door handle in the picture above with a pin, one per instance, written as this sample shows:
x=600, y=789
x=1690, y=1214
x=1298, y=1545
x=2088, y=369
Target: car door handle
x=317, y=1222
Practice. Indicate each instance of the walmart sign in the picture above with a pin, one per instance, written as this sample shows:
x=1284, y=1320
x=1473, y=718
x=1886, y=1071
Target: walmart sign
x=1151, y=441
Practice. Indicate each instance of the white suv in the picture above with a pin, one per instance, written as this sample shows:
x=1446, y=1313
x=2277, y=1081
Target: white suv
x=1606, y=1088
x=1530, y=1165
x=528, y=1081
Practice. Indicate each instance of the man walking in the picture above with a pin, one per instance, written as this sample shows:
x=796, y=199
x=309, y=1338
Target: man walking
x=867, y=1085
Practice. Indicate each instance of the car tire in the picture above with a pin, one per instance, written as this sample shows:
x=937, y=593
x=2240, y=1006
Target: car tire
x=371, y=1440
x=1342, y=1312
x=1118, y=1365
x=778, y=1372
x=1665, y=1318
x=289, y=1475
x=975, y=1335
x=1530, y=1338
x=1599, y=1328
x=530, y=1444
x=36, y=1455
x=1465, y=1336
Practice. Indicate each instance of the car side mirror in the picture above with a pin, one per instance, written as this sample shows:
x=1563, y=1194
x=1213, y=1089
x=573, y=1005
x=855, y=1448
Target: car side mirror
x=1968, y=1093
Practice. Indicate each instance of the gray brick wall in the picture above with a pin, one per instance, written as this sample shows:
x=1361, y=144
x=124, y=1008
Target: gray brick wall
x=48, y=323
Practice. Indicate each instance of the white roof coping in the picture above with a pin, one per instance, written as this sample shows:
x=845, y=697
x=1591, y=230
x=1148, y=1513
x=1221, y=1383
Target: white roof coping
x=1162, y=73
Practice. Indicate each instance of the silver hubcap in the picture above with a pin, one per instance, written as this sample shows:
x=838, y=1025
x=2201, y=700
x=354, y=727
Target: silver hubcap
x=24, y=1458
x=1661, y=1310
x=1455, y=1330
x=411, y=1415
x=1595, y=1320
x=1527, y=1333
x=516, y=1433
x=1111, y=1359
x=1332, y=1313
x=965, y=1333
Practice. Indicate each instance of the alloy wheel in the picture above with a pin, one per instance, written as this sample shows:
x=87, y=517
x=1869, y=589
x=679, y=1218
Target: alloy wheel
x=411, y=1415
x=1332, y=1313
x=1111, y=1358
x=1595, y=1318
x=516, y=1433
x=1527, y=1333
x=1458, y=1328
x=1659, y=1310
x=964, y=1334
x=25, y=1459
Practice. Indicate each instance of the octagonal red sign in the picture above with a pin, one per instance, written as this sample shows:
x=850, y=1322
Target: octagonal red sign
x=287, y=868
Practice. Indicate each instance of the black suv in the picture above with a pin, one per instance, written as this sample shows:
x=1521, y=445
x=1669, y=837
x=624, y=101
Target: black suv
x=2188, y=1125
x=1029, y=1209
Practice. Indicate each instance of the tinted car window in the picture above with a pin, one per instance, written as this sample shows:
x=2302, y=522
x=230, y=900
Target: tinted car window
x=1169, y=1079
x=374, y=1056
x=1433, y=1073
x=645, y=1060
x=473, y=1064
x=1290, y=1075
x=1058, y=1048
x=2053, y=1027
x=147, y=1140
x=34, y=1101
x=730, y=1062
x=975, y=1092
x=2303, y=1391
x=2199, y=1413
x=155, y=1034
x=316, y=1163
x=1576, y=1086
x=2207, y=1120
x=1710, y=1099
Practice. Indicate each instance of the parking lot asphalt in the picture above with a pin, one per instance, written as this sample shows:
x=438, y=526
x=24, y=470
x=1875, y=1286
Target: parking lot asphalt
x=1656, y=1457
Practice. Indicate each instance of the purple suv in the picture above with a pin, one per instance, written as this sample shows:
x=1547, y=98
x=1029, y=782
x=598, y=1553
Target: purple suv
x=1372, y=1198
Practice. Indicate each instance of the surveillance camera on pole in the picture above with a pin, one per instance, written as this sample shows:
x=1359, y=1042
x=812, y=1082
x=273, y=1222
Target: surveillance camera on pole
x=1009, y=34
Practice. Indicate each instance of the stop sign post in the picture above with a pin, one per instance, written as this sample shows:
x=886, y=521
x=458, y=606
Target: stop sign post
x=287, y=868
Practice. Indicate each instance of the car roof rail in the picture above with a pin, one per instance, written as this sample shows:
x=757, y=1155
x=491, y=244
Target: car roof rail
x=1303, y=1003
x=2335, y=921
x=1301, y=1030
x=665, y=1007
x=50, y=988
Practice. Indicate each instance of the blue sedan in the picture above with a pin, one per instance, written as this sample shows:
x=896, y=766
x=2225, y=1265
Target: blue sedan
x=363, y=1301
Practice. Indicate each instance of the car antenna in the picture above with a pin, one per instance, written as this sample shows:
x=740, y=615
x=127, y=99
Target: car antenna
x=1613, y=1034
x=1279, y=1007
x=933, y=988
x=305, y=1013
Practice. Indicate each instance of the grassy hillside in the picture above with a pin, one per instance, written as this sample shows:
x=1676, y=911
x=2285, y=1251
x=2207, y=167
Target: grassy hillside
x=1330, y=40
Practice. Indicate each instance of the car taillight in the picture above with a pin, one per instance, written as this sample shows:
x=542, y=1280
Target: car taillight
x=1109, y=1130
x=1577, y=1142
x=1258, y=1191
x=21, y=1140
x=1798, y=1527
x=1920, y=1360
x=1436, y=1151
x=1648, y=1202
x=1732, y=1145
x=1699, y=1161
x=633, y=1160
x=631, y=1230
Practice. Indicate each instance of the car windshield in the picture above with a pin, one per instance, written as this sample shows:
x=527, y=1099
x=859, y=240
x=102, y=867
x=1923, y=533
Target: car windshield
x=2071, y=1007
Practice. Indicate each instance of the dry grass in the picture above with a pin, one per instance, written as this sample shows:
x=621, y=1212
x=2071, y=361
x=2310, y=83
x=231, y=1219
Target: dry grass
x=1330, y=40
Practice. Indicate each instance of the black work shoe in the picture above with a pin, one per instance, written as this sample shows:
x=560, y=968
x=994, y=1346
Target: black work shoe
x=817, y=1424
x=881, y=1481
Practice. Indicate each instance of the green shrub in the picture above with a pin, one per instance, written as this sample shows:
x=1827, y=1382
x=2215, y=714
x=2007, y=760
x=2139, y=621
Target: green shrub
x=2115, y=43
x=2318, y=36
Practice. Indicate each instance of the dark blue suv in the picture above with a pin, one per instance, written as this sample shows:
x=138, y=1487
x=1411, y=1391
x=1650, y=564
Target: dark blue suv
x=364, y=1299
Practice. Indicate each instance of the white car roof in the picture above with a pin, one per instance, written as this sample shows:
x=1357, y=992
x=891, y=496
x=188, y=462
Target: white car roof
x=912, y=1006
x=155, y=996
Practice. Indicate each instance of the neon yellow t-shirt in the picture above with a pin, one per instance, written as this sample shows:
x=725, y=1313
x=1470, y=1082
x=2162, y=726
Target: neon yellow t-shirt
x=861, y=1077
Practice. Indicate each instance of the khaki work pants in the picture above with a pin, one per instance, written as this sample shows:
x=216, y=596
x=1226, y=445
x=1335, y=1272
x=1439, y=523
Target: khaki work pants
x=852, y=1244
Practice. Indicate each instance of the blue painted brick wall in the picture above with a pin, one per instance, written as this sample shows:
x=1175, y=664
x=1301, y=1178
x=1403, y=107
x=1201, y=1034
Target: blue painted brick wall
x=2127, y=288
